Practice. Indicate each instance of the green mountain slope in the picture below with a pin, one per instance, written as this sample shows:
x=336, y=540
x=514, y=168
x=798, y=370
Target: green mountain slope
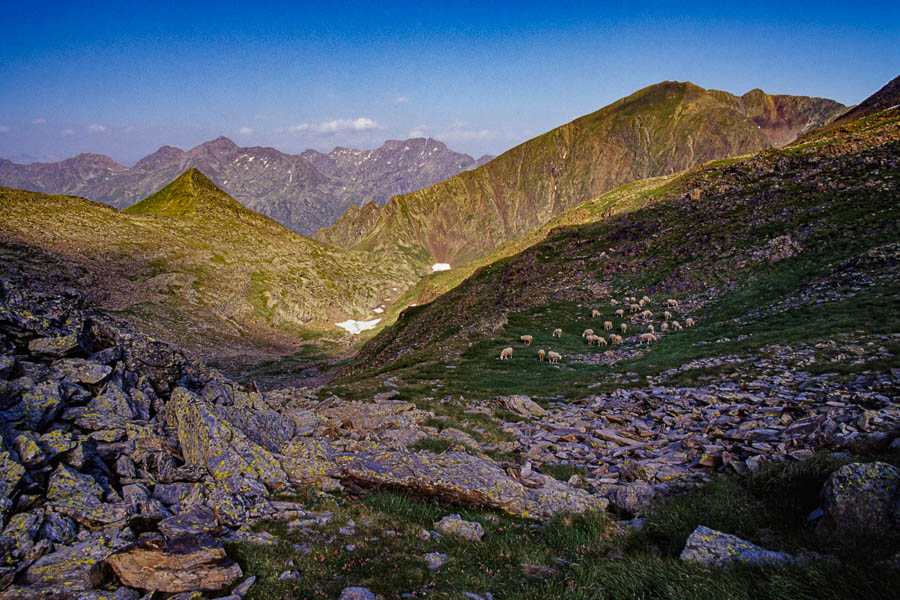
x=782, y=246
x=659, y=130
x=192, y=265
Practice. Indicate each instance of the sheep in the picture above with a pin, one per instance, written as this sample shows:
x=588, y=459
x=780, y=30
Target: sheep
x=590, y=339
x=620, y=313
x=676, y=325
x=613, y=302
x=635, y=308
x=595, y=314
x=599, y=341
x=664, y=327
x=650, y=327
x=647, y=337
x=641, y=303
x=672, y=303
x=689, y=322
x=646, y=315
x=587, y=333
x=623, y=327
x=645, y=300
x=541, y=355
x=667, y=315
x=557, y=332
x=527, y=339
x=553, y=357
x=506, y=353
x=607, y=325
x=615, y=339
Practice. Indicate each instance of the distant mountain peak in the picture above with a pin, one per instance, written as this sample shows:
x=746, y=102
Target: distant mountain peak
x=190, y=194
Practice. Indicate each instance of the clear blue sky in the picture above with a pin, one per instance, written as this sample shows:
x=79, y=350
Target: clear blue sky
x=124, y=78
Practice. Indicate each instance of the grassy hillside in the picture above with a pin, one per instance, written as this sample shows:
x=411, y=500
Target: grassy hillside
x=656, y=131
x=192, y=265
x=829, y=204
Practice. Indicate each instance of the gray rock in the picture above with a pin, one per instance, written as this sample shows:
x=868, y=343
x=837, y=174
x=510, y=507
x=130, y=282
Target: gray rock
x=716, y=549
x=357, y=593
x=456, y=525
x=435, y=560
x=58, y=528
x=241, y=589
x=522, y=405
x=79, y=370
x=56, y=347
x=40, y=405
x=862, y=496
x=196, y=521
x=635, y=498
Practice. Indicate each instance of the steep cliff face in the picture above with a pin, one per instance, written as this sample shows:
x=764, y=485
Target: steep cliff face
x=659, y=130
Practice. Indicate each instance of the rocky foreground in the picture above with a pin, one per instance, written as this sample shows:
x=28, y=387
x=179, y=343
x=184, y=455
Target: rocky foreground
x=125, y=466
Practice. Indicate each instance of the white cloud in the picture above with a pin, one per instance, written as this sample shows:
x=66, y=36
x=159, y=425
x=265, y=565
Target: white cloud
x=460, y=130
x=96, y=128
x=4, y=128
x=245, y=131
x=401, y=99
x=66, y=132
x=337, y=126
x=418, y=132
x=38, y=121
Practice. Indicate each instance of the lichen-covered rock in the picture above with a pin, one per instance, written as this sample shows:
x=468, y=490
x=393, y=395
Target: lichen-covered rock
x=11, y=475
x=58, y=528
x=21, y=533
x=110, y=410
x=357, y=593
x=863, y=496
x=56, y=442
x=435, y=560
x=69, y=568
x=522, y=405
x=80, y=370
x=456, y=525
x=373, y=417
x=57, y=346
x=635, y=498
x=39, y=405
x=7, y=363
x=79, y=497
x=196, y=521
x=716, y=549
x=30, y=453
x=459, y=437
x=183, y=564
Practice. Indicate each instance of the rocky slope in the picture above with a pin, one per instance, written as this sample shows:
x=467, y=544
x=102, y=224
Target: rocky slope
x=191, y=264
x=659, y=130
x=302, y=192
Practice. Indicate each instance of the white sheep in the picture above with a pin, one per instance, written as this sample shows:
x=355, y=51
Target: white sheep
x=623, y=327
x=541, y=355
x=599, y=341
x=635, y=308
x=689, y=322
x=595, y=314
x=647, y=337
x=676, y=326
x=590, y=339
x=667, y=315
x=527, y=339
x=645, y=300
x=607, y=325
x=641, y=303
x=664, y=327
x=646, y=315
x=672, y=303
x=615, y=339
x=613, y=302
x=587, y=332
x=650, y=327
x=506, y=353
x=553, y=357
x=557, y=332
x=620, y=313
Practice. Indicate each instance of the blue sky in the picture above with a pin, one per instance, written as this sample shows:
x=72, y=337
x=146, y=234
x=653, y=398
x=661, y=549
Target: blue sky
x=123, y=79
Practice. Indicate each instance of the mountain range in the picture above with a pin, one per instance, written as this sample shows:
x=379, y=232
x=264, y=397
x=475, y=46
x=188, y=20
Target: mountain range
x=303, y=192
x=659, y=130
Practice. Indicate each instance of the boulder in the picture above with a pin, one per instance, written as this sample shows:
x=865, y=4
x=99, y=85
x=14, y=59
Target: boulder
x=863, y=496
x=456, y=525
x=196, y=521
x=70, y=568
x=713, y=548
x=182, y=564
x=357, y=593
x=635, y=498
x=79, y=370
x=79, y=496
x=56, y=346
x=40, y=405
x=522, y=405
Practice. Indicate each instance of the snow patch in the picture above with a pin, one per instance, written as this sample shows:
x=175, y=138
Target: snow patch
x=438, y=267
x=355, y=327
x=378, y=310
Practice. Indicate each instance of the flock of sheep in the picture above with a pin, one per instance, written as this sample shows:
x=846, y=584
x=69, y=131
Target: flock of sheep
x=634, y=306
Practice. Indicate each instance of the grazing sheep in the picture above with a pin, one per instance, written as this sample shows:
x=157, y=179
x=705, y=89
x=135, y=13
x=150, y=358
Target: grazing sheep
x=595, y=314
x=635, y=308
x=587, y=332
x=541, y=355
x=590, y=339
x=623, y=327
x=600, y=341
x=505, y=353
x=647, y=337
x=676, y=325
x=557, y=332
x=553, y=357
x=689, y=322
x=667, y=315
x=650, y=327
x=641, y=303
x=607, y=325
x=527, y=339
x=646, y=315
x=613, y=302
x=620, y=313
x=672, y=303
x=664, y=327
x=616, y=339
x=645, y=300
